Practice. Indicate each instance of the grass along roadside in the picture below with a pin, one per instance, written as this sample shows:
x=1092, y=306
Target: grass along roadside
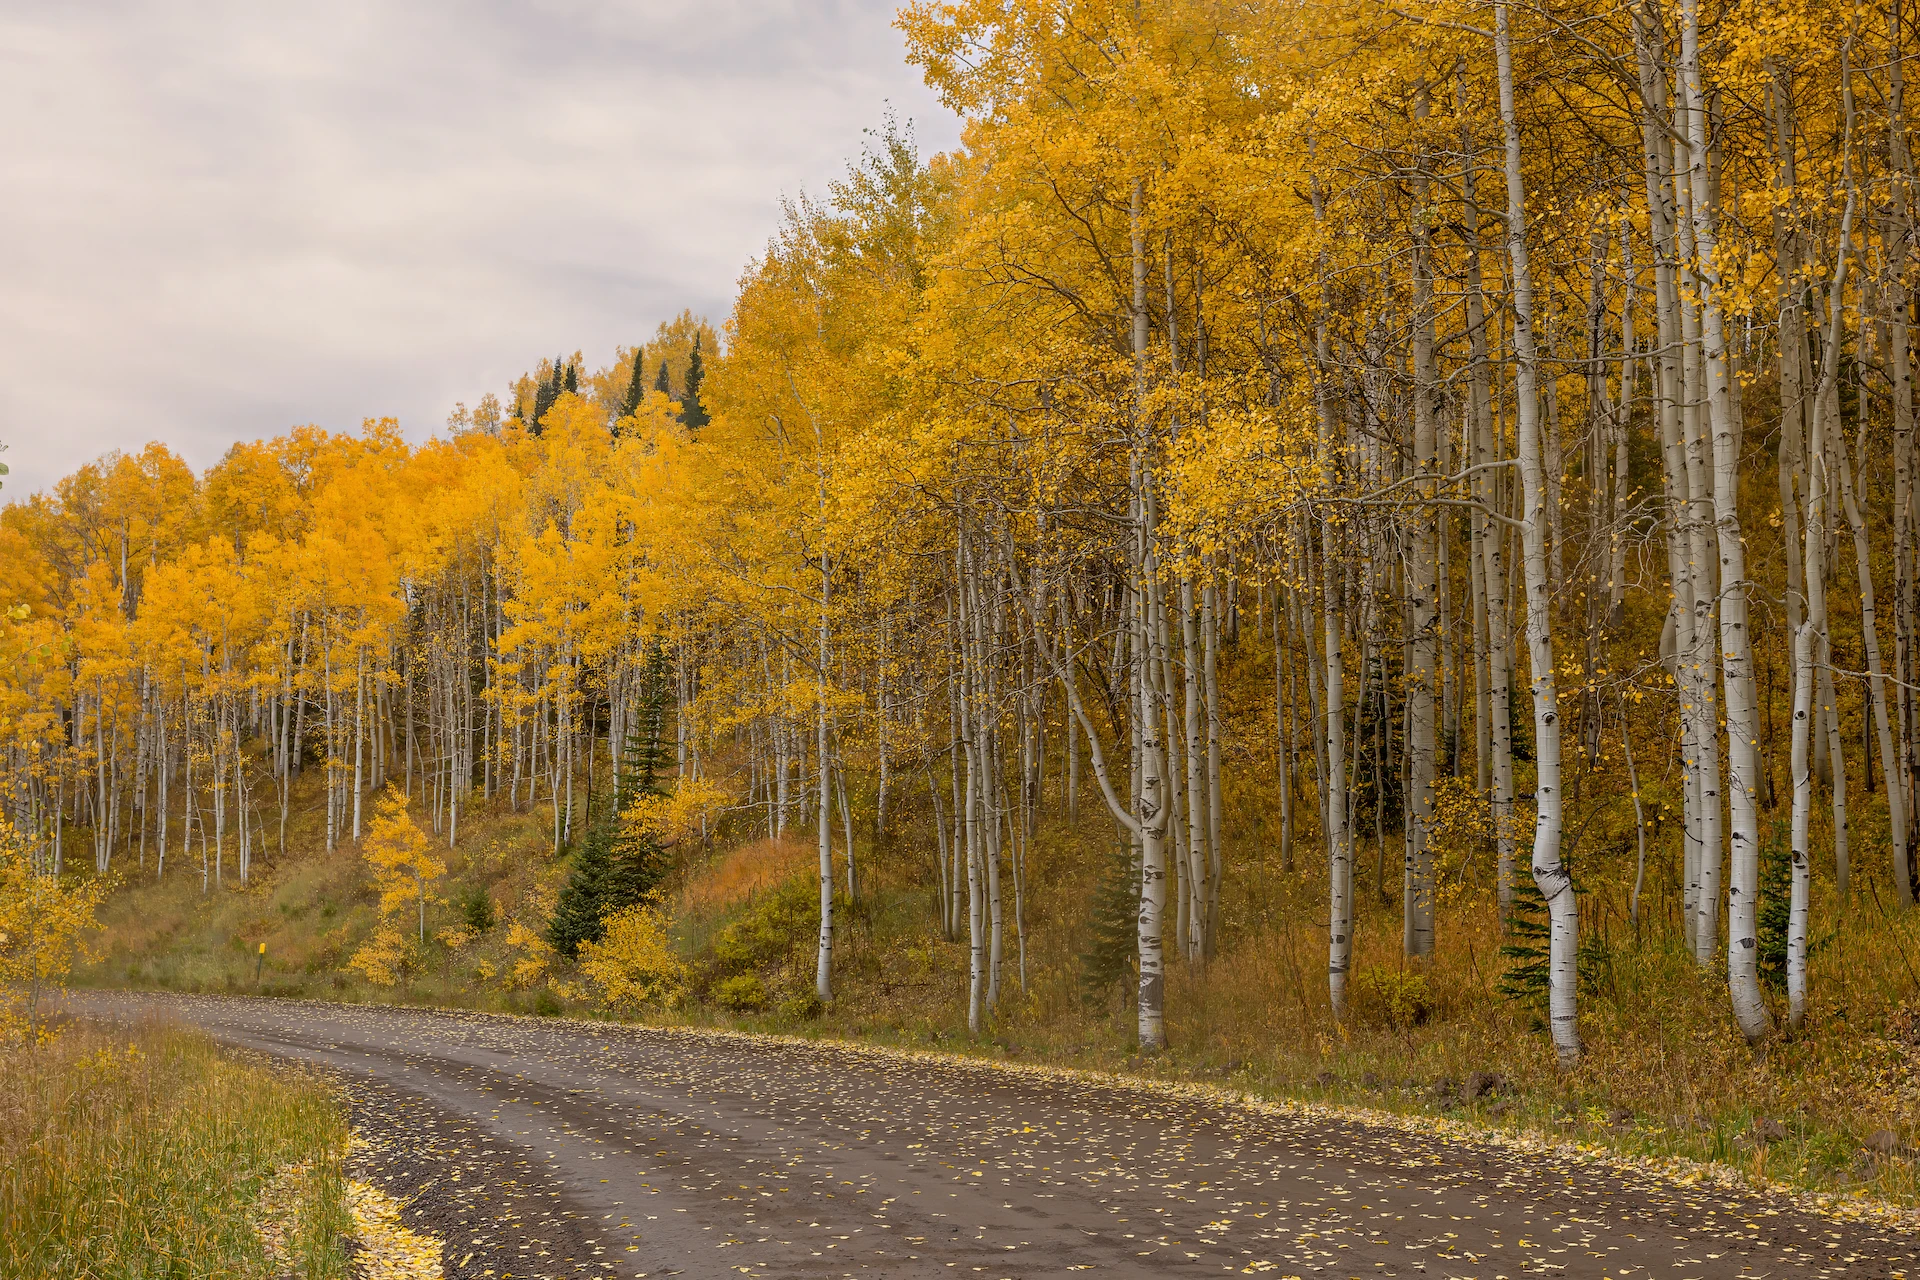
x=151, y=1152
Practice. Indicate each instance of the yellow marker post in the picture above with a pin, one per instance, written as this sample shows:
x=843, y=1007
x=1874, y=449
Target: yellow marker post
x=261, y=960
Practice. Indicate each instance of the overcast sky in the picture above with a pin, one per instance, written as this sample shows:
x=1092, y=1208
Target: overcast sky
x=223, y=219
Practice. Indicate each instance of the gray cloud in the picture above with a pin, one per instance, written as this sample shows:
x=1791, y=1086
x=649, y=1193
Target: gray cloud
x=221, y=220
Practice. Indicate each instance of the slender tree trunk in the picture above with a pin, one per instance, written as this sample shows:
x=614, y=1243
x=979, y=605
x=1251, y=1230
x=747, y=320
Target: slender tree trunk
x=1803, y=643
x=1736, y=642
x=1493, y=619
x=1423, y=590
x=1549, y=873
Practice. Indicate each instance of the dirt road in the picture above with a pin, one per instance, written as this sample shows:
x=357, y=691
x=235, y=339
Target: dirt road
x=543, y=1148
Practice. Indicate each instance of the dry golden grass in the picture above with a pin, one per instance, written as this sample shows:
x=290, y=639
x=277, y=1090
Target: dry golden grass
x=728, y=878
x=151, y=1153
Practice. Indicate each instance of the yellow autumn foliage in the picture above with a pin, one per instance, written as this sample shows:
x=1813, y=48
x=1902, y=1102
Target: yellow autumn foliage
x=46, y=925
x=635, y=964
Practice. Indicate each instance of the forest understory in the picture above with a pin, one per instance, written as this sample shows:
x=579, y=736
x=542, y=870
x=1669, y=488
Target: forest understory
x=1831, y=1108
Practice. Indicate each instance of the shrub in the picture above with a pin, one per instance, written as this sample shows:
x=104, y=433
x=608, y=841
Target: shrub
x=634, y=963
x=385, y=957
x=1392, y=997
x=401, y=859
x=742, y=993
x=771, y=929
x=802, y=1008
x=45, y=923
x=1112, y=928
x=476, y=910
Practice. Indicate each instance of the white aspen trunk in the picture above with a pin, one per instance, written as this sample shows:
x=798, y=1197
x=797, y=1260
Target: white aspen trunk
x=165, y=768
x=1284, y=713
x=1423, y=589
x=1335, y=814
x=846, y=828
x=1152, y=804
x=101, y=850
x=1639, y=818
x=1877, y=691
x=945, y=902
x=1492, y=619
x=881, y=744
x=1900, y=374
x=359, y=734
x=1677, y=641
x=976, y=902
x=1806, y=643
x=1699, y=660
x=823, y=965
x=1073, y=771
x=1549, y=873
x=957, y=720
x=1194, y=802
x=1803, y=644
x=986, y=751
x=1151, y=824
x=1793, y=347
x=782, y=763
x=1553, y=467
x=968, y=726
x=1736, y=642
x=1216, y=856
x=1826, y=417
x=1617, y=430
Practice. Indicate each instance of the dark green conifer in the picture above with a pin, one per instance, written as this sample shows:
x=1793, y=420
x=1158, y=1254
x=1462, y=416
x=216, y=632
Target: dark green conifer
x=692, y=412
x=1113, y=930
x=1529, y=933
x=636, y=384
x=578, y=915
x=543, y=398
x=614, y=869
x=1775, y=920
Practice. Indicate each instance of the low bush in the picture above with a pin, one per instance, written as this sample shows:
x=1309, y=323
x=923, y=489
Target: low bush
x=742, y=993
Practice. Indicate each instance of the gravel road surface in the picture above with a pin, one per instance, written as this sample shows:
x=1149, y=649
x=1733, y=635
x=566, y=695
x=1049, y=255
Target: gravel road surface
x=549, y=1148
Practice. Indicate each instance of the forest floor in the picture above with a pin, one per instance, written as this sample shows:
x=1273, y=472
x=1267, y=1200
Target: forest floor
x=1833, y=1109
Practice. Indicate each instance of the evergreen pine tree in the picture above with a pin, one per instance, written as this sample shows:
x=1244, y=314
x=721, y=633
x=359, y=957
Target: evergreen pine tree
x=1108, y=960
x=664, y=384
x=692, y=412
x=1529, y=938
x=582, y=905
x=1528, y=933
x=476, y=909
x=1776, y=910
x=636, y=384
x=543, y=398
x=647, y=753
x=614, y=868
x=573, y=378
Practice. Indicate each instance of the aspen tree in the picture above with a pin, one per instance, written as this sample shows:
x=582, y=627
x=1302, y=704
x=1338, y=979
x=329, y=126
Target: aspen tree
x=1549, y=873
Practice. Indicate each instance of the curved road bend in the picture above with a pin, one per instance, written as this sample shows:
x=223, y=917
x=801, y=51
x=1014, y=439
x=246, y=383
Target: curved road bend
x=539, y=1148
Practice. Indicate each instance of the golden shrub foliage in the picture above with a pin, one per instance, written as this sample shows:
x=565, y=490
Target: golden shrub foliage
x=635, y=964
